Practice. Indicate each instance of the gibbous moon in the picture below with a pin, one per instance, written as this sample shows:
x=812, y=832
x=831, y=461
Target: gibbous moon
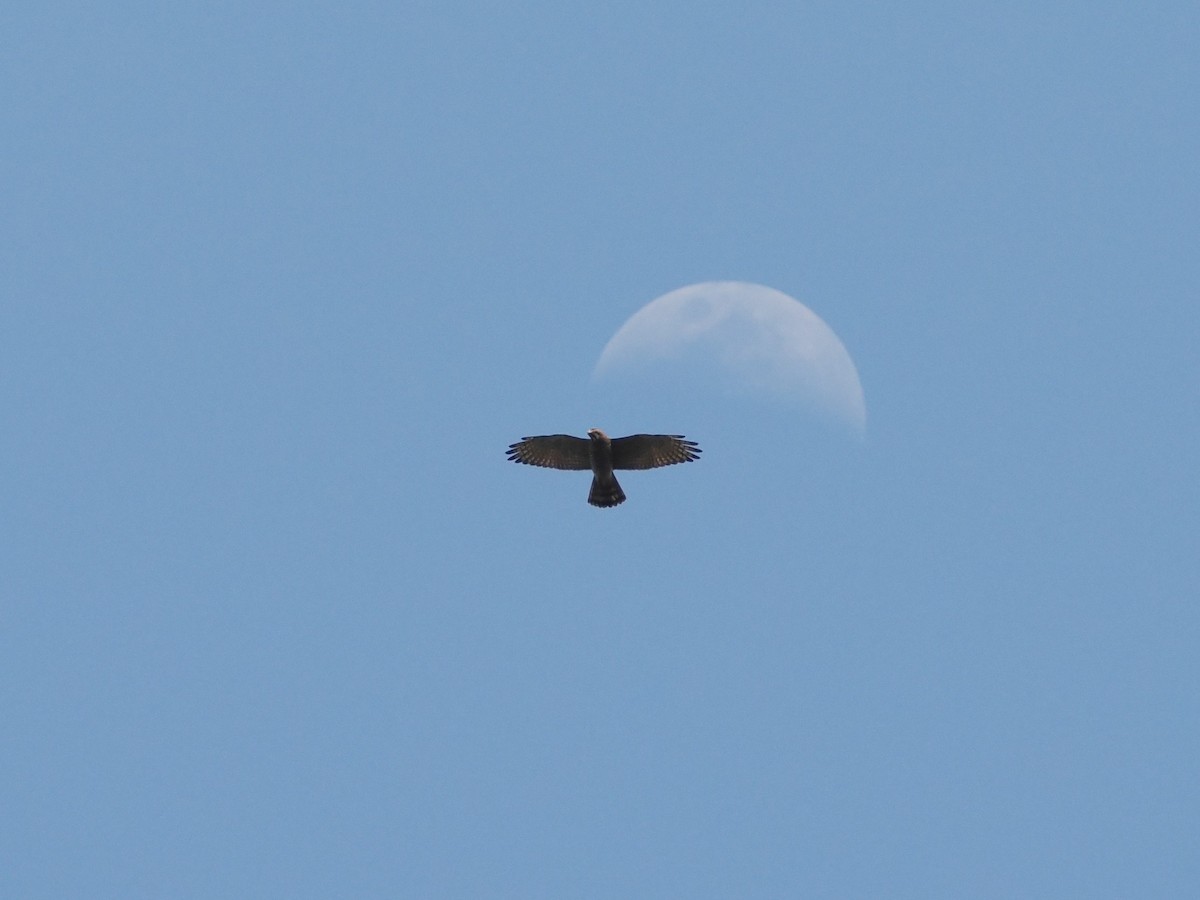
x=758, y=338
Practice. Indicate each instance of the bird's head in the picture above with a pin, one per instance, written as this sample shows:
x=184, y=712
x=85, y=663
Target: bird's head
x=597, y=435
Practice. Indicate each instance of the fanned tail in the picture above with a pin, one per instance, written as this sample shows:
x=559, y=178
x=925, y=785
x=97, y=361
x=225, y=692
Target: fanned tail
x=607, y=493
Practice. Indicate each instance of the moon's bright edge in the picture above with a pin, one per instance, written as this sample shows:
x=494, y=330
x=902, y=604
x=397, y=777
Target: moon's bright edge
x=758, y=337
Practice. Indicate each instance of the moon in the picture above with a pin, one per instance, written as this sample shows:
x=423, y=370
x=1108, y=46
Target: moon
x=759, y=339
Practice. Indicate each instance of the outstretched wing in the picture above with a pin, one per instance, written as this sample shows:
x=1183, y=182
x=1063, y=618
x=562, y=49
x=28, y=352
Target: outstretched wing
x=649, y=451
x=555, y=451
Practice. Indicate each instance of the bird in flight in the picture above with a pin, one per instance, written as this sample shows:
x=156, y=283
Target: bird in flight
x=602, y=454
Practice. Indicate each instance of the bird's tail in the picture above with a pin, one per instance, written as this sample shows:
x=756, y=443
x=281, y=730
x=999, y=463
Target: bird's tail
x=606, y=493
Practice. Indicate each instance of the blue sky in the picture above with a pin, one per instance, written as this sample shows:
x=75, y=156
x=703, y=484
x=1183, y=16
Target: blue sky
x=280, y=285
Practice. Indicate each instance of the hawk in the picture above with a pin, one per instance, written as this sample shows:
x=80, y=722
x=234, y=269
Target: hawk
x=602, y=454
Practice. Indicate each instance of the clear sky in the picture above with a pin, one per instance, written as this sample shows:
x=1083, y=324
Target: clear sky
x=280, y=282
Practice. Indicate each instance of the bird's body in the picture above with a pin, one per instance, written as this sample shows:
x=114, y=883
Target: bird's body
x=606, y=490
x=602, y=455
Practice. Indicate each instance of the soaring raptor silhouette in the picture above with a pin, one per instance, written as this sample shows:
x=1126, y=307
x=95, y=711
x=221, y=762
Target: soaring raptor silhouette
x=602, y=454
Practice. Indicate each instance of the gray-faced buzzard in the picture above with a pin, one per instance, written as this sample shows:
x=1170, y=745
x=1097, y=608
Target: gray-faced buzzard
x=601, y=454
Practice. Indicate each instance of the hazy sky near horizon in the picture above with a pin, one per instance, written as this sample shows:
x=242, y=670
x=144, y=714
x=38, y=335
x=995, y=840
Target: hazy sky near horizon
x=279, y=286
